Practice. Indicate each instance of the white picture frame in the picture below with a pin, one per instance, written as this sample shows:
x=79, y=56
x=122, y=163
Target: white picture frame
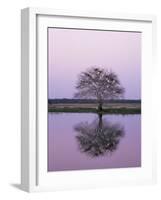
x=34, y=177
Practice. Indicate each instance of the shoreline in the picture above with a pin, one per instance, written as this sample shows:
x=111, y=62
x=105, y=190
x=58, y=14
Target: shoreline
x=113, y=108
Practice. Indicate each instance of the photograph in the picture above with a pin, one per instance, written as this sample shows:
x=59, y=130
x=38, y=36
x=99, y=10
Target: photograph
x=94, y=99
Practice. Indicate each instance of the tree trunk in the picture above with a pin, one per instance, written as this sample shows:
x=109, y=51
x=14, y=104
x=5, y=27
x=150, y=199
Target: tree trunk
x=100, y=106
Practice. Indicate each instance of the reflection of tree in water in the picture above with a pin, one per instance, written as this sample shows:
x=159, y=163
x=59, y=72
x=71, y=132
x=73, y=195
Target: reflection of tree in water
x=98, y=137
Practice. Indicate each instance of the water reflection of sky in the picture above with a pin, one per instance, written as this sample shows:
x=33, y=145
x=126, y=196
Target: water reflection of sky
x=64, y=150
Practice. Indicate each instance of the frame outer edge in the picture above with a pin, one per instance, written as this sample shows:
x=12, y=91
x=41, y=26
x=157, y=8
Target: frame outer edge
x=28, y=99
x=25, y=99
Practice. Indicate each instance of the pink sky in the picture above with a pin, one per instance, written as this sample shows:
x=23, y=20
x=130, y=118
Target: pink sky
x=72, y=51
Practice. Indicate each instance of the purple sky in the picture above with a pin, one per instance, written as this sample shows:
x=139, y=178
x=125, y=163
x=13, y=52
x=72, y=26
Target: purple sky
x=73, y=51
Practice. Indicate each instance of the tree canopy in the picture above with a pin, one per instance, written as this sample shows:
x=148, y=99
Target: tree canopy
x=99, y=83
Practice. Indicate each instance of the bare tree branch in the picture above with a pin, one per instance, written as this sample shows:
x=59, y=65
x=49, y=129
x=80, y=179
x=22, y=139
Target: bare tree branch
x=99, y=83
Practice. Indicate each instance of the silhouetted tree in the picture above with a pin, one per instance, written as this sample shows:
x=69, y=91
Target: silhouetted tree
x=99, y=137
x=99, y=84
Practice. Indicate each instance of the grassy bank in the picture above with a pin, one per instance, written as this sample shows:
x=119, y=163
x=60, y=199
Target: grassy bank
x=113, y=108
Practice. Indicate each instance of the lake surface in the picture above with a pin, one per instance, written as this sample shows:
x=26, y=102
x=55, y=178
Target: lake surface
x=78, y=141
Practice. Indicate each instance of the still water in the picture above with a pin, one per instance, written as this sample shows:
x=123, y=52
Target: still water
x=78, y=141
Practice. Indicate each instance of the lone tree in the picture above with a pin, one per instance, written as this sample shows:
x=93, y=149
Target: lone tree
x=99, y=84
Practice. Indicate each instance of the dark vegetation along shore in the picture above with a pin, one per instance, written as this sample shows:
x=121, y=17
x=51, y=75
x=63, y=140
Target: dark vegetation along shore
x=91, y=106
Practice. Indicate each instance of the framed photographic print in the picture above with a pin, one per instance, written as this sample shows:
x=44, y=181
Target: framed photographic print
x=87, y=118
